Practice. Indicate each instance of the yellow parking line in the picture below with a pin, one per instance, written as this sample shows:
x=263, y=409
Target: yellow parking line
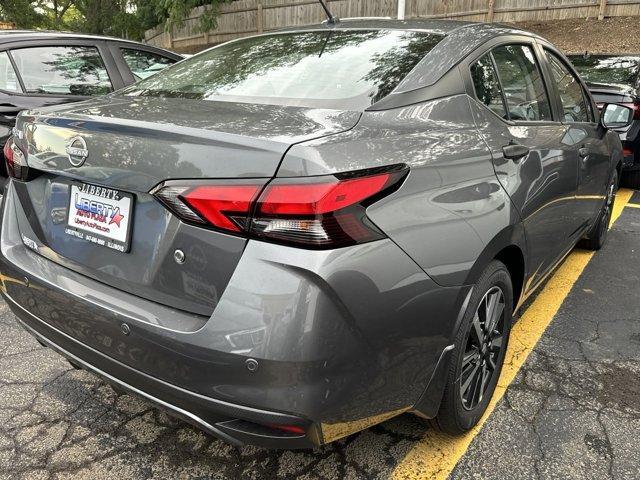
x=436, y=455
x=634, y=205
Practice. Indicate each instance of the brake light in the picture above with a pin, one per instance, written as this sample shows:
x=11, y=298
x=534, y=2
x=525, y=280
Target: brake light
x=320, y=212
x=328, y=195
x=316, y=212
x=225, y=206
x=15, y=160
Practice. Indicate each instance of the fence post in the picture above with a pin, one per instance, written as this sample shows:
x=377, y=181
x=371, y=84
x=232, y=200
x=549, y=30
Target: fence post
x=603, y=6
x=260, y=18
x=402, y=7
x=490, y=10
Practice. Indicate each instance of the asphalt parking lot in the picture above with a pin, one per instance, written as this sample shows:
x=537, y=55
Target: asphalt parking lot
x=566, y=407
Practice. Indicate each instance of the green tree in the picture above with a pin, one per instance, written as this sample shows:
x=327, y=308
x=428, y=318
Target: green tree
x=22, y=13
x=122, y=18
x=174, y=12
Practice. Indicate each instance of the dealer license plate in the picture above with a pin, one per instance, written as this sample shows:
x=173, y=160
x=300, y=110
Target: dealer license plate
x=100, y=215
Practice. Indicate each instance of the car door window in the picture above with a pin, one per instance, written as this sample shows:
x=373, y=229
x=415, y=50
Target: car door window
x=143, y=64
x=8, y=77
x=487, y=86
x=522, y=83
x=574, y=106
x=62, y=70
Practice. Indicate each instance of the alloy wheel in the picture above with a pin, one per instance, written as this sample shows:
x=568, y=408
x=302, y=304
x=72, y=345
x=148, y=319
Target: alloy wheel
x=608, y=207
x=483, y=348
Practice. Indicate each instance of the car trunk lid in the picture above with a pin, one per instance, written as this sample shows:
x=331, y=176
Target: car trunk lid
x=132, y=145
x=136, y=142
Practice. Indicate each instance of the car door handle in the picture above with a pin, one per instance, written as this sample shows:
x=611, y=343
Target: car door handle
x=515, y=151
x=583, y=152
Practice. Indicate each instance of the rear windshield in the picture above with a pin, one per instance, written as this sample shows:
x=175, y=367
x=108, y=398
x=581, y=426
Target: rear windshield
x=607, y=69
x=328, y=69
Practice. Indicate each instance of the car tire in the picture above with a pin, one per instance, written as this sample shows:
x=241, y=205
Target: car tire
x=631, y=179
x=468, y=390
x=597, y=236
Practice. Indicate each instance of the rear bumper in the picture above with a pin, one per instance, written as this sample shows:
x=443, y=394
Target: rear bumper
x=229, y=422
x=344, y=339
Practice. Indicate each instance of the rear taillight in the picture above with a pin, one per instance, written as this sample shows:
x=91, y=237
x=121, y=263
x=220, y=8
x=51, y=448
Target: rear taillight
x=222, y=205
x=316, y=212
x=15, y=159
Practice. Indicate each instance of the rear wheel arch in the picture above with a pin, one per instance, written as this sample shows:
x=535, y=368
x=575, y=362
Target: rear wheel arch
x=508, y=247
x=513, y=258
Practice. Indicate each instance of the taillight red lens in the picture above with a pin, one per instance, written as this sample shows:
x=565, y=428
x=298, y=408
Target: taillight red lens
x=329, y=195
x=317, y=212
x=15, y=160
x=224, y=206
x=8, y=152
x=321, y=212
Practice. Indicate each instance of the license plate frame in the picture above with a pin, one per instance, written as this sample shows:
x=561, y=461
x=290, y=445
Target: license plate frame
x=100, y=215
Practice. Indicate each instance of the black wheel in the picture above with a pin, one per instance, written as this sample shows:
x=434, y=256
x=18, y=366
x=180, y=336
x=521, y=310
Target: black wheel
x=597, y=236
x=631, y=179
x=479, y=352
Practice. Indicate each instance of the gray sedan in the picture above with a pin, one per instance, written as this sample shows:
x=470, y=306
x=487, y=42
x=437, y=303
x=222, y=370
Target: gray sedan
x=291, y=237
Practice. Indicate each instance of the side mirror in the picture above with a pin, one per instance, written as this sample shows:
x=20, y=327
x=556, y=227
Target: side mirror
x=616, y=116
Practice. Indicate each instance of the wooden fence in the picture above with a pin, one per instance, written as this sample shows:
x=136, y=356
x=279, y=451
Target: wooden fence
x=246, y=17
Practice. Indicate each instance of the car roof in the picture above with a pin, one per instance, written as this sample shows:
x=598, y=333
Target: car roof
x=7, y=36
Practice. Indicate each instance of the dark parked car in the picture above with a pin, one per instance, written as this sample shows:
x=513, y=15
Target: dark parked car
x=616, y=79
x=291, y=237
x=39, y=69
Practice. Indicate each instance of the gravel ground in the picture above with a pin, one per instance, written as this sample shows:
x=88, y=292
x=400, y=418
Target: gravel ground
x=611, y=35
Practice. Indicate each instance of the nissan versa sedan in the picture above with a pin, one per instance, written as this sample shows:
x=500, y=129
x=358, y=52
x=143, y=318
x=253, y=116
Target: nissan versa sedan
x=291, y=237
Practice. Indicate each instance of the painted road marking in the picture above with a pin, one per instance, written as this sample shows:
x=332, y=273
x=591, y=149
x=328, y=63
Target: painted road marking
x=436, y=454
x=634, y=205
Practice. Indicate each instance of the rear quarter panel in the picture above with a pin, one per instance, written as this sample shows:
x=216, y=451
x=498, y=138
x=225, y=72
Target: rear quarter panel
x=450, y=208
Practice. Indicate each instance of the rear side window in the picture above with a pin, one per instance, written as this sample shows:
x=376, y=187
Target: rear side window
x=73, y=70
x=523, y=86
x=574, y=106
x=8, y=77
x=144, y=64
x=487, y=86
x=330, y=69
